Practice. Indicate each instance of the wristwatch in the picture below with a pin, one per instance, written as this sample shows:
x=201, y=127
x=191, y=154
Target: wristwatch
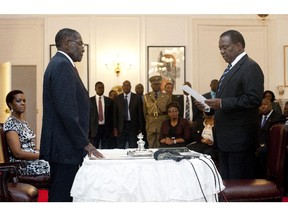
x=174, y=141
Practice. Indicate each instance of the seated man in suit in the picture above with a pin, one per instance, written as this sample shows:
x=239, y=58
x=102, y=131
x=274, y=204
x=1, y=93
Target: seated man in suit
x=267, y=116
x=212, y=93
x=271, y=96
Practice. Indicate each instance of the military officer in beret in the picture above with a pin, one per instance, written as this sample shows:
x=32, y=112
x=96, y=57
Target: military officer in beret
x=155, y=111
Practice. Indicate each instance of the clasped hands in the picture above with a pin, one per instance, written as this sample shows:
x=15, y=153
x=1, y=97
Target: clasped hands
x=207, y=141
x=167, y=141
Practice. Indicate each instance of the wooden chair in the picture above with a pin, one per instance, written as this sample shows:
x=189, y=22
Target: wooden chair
x=13, y=191
x=262, y=190
x=40, y=182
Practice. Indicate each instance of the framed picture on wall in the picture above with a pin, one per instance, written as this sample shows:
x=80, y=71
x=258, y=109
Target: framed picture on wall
x=286, y=65
x=82, y=67
x=168, y=62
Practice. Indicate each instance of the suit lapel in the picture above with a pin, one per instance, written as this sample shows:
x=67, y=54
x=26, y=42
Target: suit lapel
x=132, y=98
x=232, y=72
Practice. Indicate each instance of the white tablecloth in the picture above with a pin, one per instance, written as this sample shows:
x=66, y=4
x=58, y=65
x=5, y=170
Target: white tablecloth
x=146, y=179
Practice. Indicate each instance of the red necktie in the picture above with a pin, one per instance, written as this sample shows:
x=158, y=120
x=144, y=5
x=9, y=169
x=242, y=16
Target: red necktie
x=100, y=110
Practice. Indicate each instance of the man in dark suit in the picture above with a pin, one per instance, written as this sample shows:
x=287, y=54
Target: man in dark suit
x=66, y=109
x=213, y=87
x=239, y=95
x=267, y=117
x=195, y=116
x=101, y=119
x=129, y=118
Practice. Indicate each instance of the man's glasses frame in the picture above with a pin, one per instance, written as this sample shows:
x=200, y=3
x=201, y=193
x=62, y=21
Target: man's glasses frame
x=78, y=43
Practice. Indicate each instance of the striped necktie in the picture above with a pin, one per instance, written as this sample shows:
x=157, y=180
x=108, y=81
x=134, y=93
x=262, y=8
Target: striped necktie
x=223, y=76
x=187, y=109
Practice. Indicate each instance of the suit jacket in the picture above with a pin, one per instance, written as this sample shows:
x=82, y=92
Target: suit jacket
x=136, y=113
x=108, y=114
x=236, y=122
x=207, y=95
x=197, y=114
x=66, y=109
x=264, y=130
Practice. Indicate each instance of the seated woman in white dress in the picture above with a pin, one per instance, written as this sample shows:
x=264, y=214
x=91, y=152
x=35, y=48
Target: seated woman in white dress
x=20, y=137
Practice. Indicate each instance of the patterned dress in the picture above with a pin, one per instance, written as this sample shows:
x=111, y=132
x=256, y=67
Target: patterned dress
x=26, y=137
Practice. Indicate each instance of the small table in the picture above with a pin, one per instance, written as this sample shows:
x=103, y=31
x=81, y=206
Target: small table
x=119, y=178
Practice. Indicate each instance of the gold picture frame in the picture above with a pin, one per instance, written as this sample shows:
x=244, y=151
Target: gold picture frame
x=168, y=62
x=286, y=65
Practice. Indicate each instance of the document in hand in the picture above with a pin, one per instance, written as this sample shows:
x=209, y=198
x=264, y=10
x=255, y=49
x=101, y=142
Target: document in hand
x=196, y=95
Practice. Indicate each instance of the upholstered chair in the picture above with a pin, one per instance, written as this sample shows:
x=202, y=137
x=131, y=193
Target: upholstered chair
x=261, y=190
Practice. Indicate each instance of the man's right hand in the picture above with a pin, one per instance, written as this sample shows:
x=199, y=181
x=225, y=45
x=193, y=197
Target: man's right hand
x=91, y=150
x=199, y=105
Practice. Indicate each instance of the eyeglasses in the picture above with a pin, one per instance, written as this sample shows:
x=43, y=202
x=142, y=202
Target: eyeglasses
x=81, y=44
x=172, y=110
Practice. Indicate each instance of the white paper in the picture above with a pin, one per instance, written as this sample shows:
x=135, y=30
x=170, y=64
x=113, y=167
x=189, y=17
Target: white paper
x=196, y=95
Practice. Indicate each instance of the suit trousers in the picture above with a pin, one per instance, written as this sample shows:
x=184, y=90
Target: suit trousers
x=102, y=138
x=236, y=165
x=61, y=177
x=127, y=136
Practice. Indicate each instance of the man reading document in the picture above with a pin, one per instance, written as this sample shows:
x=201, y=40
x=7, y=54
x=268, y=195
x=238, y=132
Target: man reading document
x=238, y=97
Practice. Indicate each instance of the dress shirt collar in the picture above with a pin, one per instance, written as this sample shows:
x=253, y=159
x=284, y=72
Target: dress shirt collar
x=67, y=57
x=268, y=115
x=237, y=59
x=97, y=97
x=187, y=96
x=128, y=95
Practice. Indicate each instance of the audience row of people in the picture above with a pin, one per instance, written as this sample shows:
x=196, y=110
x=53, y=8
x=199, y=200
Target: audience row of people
x=162, y=119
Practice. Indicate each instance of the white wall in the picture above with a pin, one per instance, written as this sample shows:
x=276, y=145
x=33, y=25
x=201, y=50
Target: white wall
x=21, y=43
x=26, y=40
